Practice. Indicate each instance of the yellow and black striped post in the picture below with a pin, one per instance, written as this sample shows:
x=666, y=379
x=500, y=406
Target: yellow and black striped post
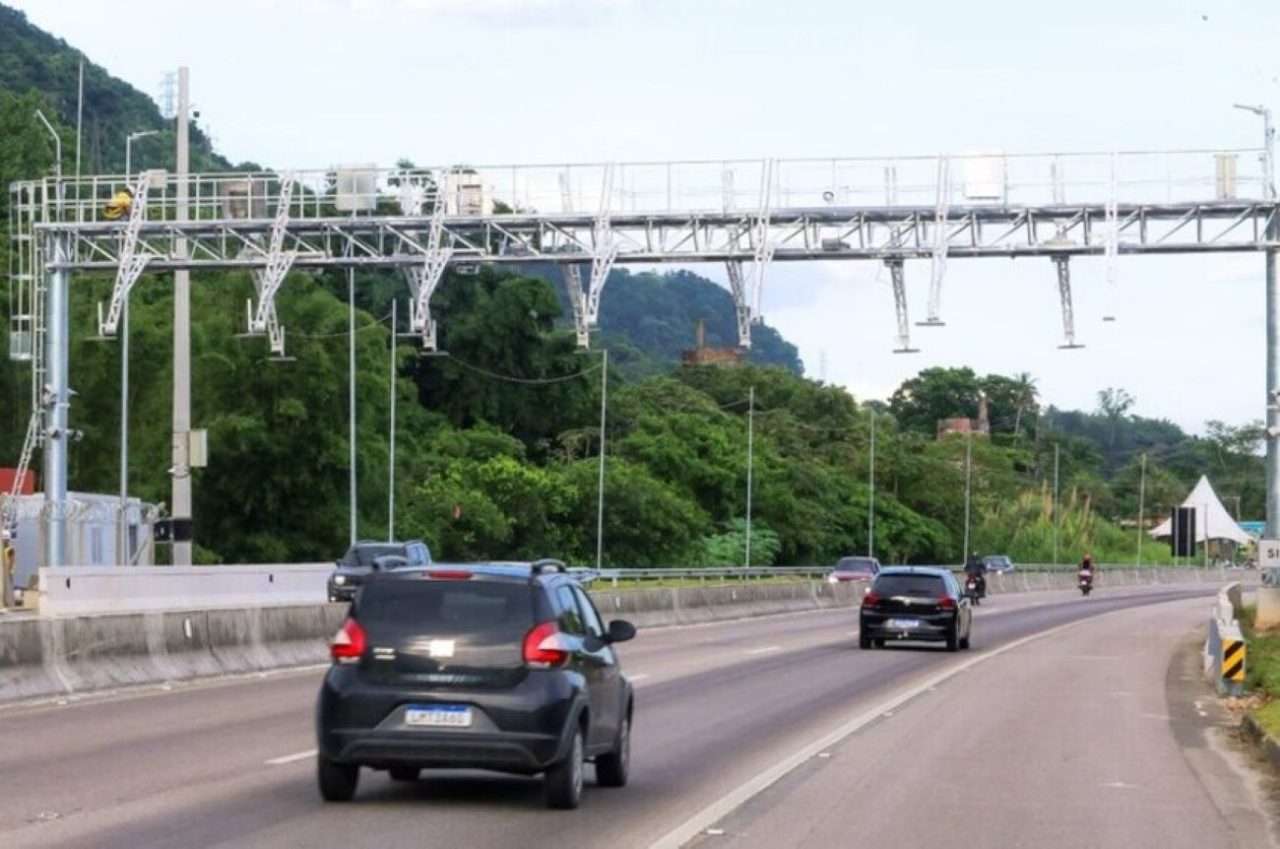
x=1233, y=660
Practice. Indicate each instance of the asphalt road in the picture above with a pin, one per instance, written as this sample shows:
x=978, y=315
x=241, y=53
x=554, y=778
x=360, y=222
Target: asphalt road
x=718, y=706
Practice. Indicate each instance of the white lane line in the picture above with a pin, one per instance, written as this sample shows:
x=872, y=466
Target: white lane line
x=288, y=759
x=763, y=650
x=638, y=676
x=734, y=799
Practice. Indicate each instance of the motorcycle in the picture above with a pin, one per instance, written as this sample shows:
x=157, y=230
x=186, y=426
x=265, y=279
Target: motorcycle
x=1084, y=579
x=975, y=587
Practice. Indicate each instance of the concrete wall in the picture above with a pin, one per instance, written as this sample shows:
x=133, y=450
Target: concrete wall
x=48, y=656
x=53, y=655
x=85, y=590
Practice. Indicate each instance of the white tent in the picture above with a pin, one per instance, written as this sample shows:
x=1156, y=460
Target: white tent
x=1212, y=519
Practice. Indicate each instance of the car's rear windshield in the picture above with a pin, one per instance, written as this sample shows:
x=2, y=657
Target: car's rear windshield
x=449, y=608
x=858, y=563
x=365, y=555
x=913, y=585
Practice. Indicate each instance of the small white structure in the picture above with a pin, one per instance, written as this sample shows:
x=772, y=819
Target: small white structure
x=1213, y=522
x=93, y=530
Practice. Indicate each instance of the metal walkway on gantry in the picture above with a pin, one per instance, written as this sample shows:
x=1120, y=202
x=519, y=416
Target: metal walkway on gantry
x=586, y=218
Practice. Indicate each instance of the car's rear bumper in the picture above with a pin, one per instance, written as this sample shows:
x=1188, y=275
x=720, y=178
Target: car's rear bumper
x=454, y=749
x=523, y=729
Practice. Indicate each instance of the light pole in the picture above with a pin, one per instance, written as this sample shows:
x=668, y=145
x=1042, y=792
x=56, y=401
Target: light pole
x=751, y=453
x=391, y=465
x=1056, y=446
x=1273, y=325
x=1142, y=503
x=604, y=401
x=871, y=485
x=128, y=148
x=968, y=483
x=123, y=554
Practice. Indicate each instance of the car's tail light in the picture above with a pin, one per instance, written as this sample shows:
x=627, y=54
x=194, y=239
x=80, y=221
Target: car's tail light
x=349, y=643
x=545, y=646
x=946, y=602
x=448, y=575
x=870, y=599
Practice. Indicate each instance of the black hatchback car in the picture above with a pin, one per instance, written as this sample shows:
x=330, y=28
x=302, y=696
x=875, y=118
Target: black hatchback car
x=915, y=603
x=368, y=556
x=504, y=667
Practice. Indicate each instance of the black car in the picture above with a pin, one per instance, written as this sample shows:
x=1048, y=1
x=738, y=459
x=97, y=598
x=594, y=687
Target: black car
x=367, y=556
x=915, y=603
x=494, y=666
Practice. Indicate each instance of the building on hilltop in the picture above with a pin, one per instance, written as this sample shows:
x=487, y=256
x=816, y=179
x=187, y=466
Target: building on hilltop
x=701, y=355
x=981, y=426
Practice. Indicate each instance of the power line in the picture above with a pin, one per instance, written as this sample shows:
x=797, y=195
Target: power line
x=527, y=381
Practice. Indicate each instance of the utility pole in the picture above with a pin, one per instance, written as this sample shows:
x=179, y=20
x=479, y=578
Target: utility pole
x=871, y=485
x=1056, y=446
x=1142, y=503
x=57, y=397
x=181, y=468
x=968, y=479
x=604, y=402
x=751, y=453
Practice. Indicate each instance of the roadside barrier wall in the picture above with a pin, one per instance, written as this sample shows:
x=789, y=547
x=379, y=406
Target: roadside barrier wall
x=51, y=655
x=99, y=589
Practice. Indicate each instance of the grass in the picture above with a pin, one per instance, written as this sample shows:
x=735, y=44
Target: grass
x=1263, y=670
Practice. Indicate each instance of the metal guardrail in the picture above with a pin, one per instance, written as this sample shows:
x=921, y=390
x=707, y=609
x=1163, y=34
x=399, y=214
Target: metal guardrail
x=740, y=573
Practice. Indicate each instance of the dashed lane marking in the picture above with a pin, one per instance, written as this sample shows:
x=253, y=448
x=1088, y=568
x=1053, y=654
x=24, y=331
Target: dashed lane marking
x=288, y=759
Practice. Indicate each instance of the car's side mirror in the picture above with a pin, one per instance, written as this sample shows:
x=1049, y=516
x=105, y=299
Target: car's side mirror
x=620, y=630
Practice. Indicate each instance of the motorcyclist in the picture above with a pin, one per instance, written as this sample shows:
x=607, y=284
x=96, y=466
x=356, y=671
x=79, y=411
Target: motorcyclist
x=1086, y=568
x=977, y=569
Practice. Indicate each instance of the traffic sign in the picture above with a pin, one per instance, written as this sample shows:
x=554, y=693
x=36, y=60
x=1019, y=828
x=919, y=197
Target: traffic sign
x=1269, y=553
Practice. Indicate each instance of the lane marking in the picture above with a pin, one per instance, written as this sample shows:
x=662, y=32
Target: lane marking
x=734, y=799
x=763, y=650
x=288, y=759
x=638, y=676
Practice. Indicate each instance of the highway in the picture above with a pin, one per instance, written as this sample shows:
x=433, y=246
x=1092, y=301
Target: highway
x=1096, y=733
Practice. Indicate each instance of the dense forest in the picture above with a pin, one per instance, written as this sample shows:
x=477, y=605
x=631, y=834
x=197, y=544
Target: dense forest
x=497, y=442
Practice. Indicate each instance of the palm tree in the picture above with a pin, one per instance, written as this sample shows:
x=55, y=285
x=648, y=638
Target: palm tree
x=1025, y=389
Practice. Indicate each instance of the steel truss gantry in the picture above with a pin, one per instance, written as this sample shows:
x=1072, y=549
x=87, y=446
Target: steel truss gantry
x=593, y=216
x=587, y=218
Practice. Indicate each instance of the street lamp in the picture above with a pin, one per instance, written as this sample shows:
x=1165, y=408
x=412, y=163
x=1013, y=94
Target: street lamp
x=123, y=553
x=1272, y=312
x=128, y=148
x=1268, y=142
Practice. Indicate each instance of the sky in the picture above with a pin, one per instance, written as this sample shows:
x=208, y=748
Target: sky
x=312, y=83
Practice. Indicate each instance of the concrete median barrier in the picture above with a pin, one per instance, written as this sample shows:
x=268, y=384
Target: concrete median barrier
x=52, y=655
x=66, y=655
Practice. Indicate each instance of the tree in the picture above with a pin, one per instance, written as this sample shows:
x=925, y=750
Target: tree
x=1114, y=404
x=935, y=394
x=508, y=363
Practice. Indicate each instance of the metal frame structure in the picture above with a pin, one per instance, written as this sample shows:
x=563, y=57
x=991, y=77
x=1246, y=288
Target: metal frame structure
x=594, y=216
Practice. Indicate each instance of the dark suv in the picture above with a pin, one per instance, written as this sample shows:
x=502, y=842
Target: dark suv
x=915, y=603
x=505, y=667
x=368, y=556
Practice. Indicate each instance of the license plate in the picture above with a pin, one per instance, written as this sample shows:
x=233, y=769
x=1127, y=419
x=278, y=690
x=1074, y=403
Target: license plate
x=439, y=716
x=903, y=624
